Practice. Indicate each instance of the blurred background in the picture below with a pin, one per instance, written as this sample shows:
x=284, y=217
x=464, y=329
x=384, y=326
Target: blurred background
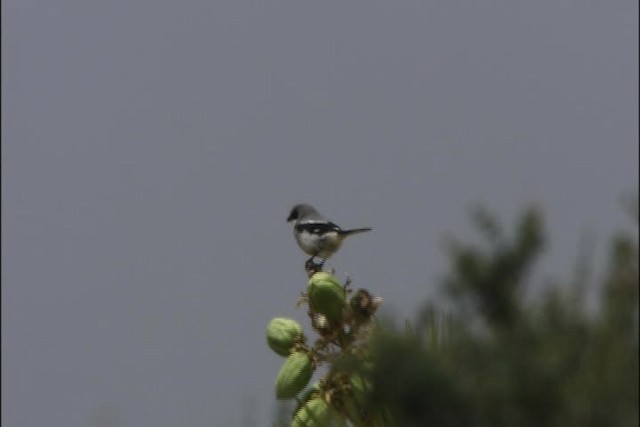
x=152, y=150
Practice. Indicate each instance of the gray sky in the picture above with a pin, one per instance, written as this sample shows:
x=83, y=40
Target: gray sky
x=152, y=149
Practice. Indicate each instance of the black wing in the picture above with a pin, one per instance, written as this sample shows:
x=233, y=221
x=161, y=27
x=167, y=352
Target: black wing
x=318, y=227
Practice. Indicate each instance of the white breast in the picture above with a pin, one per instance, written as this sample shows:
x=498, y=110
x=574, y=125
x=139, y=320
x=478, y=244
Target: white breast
x=321, y=246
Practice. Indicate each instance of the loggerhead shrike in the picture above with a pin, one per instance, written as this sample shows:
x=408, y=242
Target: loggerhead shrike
x=316, y=235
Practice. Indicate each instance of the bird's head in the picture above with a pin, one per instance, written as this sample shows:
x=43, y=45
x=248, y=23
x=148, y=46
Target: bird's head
x=300, y=210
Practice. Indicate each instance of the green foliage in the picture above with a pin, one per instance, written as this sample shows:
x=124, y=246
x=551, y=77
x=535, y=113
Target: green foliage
x=498, y=360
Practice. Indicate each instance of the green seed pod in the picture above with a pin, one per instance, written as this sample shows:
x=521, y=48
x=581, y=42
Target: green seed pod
x=294, y=375
x=326, y=295
x=282, y=334
x=311, y=392
x=316, y=413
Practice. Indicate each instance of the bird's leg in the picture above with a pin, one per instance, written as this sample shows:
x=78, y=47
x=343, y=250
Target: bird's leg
x=311, y=267
x=309, y=263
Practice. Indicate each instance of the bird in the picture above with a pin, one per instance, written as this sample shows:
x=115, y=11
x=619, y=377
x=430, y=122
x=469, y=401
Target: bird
x=315, y=234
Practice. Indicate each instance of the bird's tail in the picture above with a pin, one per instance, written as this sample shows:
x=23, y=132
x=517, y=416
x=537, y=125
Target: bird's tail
x=354, y=231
